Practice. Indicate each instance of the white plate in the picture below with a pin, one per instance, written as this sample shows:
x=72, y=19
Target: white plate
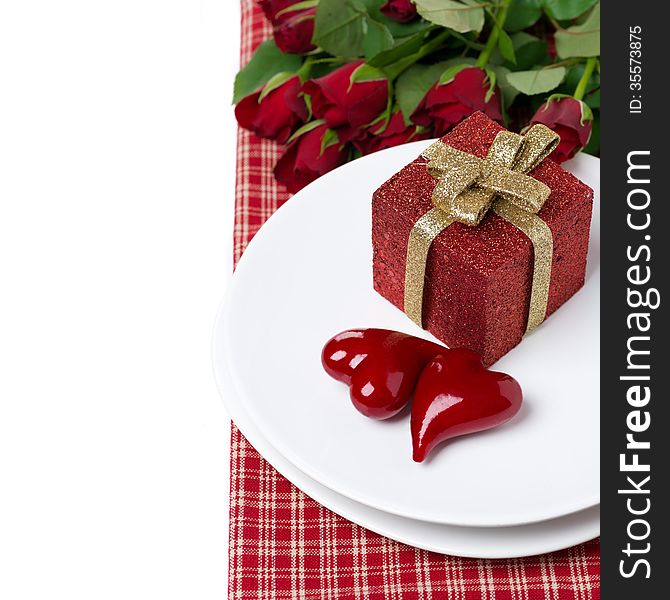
x=307, y=275
x=474, y=542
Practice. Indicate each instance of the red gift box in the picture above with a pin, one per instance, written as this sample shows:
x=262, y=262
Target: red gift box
x=478, y=279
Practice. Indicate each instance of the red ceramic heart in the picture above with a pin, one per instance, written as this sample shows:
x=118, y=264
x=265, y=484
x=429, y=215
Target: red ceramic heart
x=381, y=367
x=455, y=395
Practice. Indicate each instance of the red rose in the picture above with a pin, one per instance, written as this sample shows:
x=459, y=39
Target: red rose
x=402, y=11
x=395, y=133
x=339, y=102
x=570, y=118
x=277, y=114
x=304, y=159
x=448, y=104
x=293, y=31
x=271, y=7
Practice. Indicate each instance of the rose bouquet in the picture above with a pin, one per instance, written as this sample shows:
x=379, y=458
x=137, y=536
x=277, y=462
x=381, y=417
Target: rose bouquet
x=344, y=78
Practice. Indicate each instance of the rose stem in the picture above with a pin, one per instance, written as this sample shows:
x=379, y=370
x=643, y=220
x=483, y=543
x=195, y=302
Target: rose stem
x=498, y=23
x=580, y=90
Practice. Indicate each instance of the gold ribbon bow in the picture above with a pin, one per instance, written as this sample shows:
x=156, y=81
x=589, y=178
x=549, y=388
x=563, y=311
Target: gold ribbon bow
x=467, y=188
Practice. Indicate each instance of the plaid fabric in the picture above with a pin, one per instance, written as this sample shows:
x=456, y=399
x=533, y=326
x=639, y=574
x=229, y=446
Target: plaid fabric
x=284, y=545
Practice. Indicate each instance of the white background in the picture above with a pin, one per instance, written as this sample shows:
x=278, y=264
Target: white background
x=116, y=196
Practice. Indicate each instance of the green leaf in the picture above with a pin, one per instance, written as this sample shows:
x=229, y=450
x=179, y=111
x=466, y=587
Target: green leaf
x=377, y=38
x=522, y=14
x=320, y=68
x=304, y=129
x=460, y=16
x=413, y=85
x=340, y=27
x=509, y=93
x=267, y=61
x=567, y=9
x=580, y=40
x=345, y=28
x=506, y=46
x=530, y=51
x=403, y=49
x=537, y=81
x=366, y=73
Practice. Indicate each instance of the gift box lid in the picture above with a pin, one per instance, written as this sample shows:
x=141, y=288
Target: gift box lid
x=494, y=242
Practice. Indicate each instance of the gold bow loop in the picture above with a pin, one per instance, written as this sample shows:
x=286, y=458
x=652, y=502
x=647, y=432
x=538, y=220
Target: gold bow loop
x=467, y=185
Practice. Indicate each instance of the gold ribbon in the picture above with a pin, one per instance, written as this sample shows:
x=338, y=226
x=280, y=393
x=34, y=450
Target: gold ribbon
x=467, y=187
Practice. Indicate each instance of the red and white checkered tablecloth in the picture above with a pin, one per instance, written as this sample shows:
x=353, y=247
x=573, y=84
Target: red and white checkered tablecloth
x=284, y=545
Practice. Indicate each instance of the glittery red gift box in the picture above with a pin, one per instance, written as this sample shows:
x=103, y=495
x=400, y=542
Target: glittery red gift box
x=478, y=279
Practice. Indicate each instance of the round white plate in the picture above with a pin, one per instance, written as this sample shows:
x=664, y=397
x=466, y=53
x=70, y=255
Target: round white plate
x=308, y=275
x=473, y=542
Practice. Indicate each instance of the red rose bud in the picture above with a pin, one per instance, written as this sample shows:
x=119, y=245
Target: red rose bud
x=293, y=31
x=305, y=159
x=447, y=104
x=276, y=114
x=394, y=133
x=402, y=11
x=570, y=118
x=270, y=8
x=340, y=102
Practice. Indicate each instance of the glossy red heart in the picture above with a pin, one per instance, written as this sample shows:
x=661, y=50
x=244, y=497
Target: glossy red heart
x=381, y=367
x=455, y=395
